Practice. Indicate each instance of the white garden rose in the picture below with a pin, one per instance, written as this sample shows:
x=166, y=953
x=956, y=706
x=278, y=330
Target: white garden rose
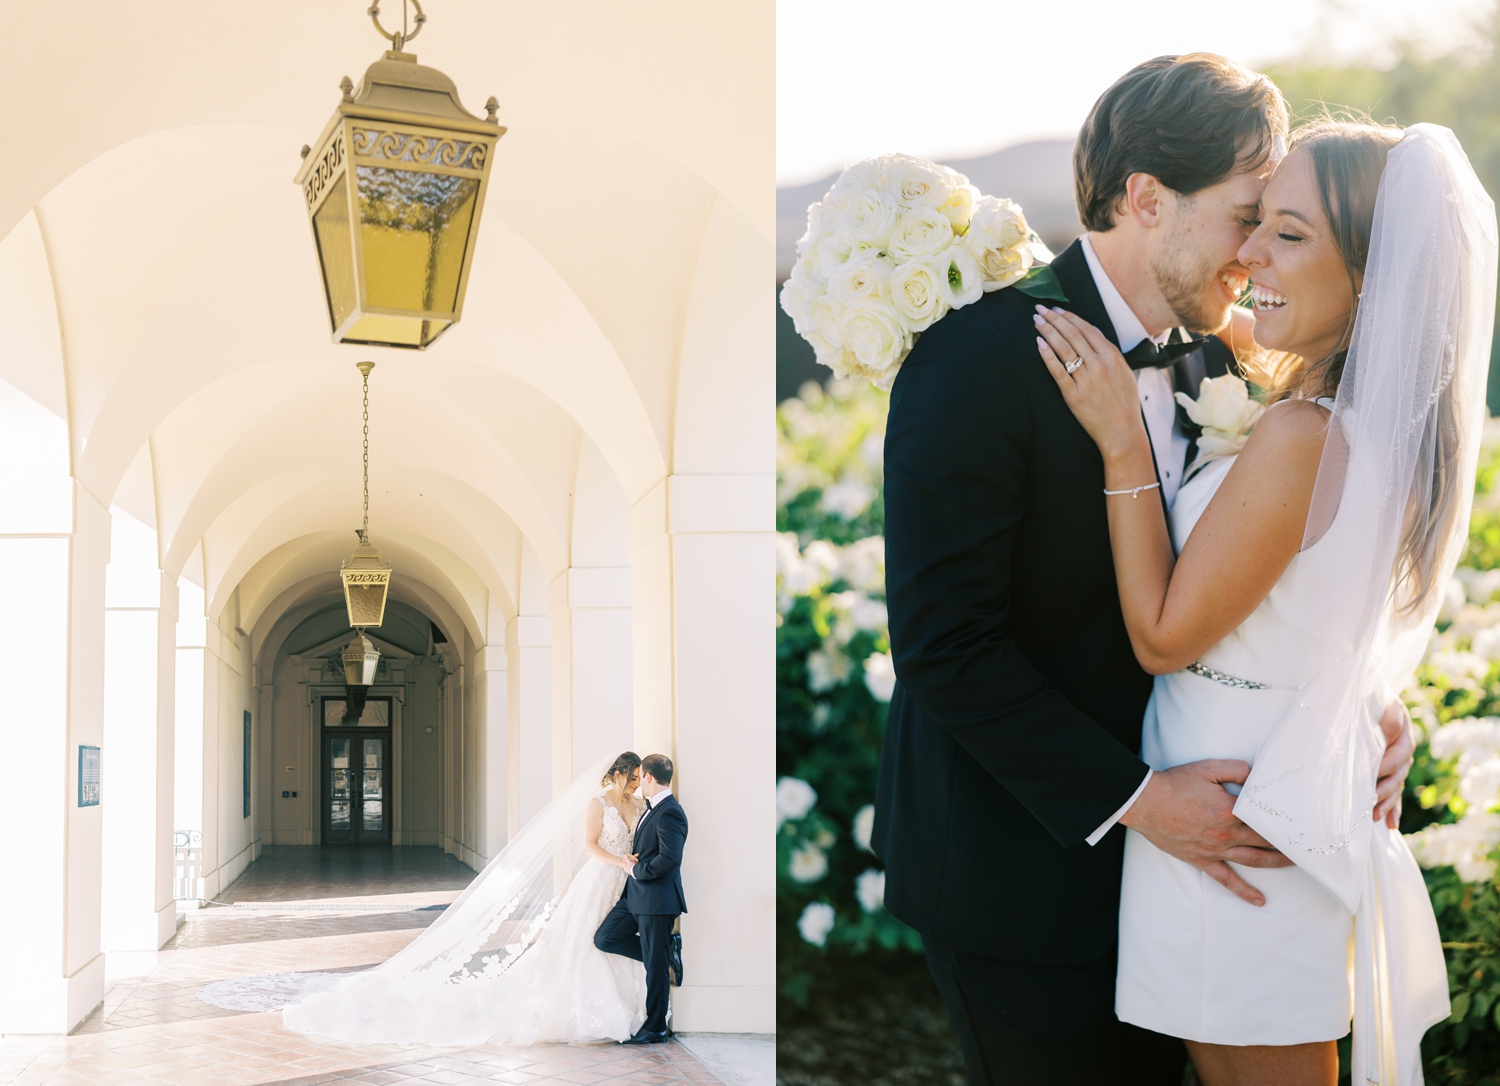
x=924, y=232
x=996, y=239
x=916, y=184
x=880, y=676
x=869, y=888
x=797, y=295
x=876, y=337
x=959, y=206
x=864, y=825
x=866, y=222
x=853, y=181
x=862, y=279
x=816, y=922
x=1464, y=845
x=794, y=798
x=1227, y=414
x=919, y=293
x=809, y=863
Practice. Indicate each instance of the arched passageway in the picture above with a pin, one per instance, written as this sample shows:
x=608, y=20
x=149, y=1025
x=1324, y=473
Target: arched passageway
x=574, y=486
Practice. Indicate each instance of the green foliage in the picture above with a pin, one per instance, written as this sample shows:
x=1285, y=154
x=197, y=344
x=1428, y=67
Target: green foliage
x=1041, y=282
x=829, y=723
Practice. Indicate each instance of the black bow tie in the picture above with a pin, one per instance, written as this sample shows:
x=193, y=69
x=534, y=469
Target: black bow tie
x=1145, y=353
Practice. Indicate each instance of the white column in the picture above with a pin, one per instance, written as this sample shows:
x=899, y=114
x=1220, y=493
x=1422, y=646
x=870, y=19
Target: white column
x=600, y=682
x=705, y=696
x=529, y=688
x=54, y=543
x=139, y=668
x=187, y=728
x=489, y=700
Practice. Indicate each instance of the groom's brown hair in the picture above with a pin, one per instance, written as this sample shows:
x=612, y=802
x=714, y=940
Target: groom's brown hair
x=1189, y=121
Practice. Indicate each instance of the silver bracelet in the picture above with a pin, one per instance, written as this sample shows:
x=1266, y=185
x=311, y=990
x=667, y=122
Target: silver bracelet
x=1135, y=491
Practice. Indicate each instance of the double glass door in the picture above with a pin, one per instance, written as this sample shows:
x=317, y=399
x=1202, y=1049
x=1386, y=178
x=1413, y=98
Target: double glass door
x=356, y=782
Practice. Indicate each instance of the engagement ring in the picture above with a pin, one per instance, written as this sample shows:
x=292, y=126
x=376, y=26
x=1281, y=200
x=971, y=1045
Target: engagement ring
x=1073, y=365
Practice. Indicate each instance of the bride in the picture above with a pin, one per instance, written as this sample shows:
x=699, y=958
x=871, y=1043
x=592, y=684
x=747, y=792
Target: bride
x=1289, y=591
x=512, y=960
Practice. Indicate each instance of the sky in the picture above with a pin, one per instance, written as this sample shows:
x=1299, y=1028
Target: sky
x=856, y=78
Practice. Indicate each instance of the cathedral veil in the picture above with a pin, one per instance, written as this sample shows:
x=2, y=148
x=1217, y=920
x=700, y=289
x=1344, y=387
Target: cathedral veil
x=1410, y=411
x=445, y=987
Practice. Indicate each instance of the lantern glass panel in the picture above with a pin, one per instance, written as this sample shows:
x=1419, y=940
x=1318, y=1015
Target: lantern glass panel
x=366, y=603
x=414, y=228
x=336, y=251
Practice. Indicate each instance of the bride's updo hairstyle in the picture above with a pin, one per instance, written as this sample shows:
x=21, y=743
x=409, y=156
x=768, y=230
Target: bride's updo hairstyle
x=1348, y=156
x=626, y=764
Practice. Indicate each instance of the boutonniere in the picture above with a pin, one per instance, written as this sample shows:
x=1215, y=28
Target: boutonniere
x=1226, y=413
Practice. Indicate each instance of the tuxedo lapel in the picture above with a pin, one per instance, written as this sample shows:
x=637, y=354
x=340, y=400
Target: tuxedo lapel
x=1072, y=270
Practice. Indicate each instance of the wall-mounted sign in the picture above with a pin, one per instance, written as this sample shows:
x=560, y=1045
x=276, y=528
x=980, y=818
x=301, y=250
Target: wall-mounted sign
x=88, y=776
x=247, y=763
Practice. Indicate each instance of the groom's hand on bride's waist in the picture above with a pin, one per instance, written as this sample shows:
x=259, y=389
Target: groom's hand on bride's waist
x=1185, y=812
x=1400, y=746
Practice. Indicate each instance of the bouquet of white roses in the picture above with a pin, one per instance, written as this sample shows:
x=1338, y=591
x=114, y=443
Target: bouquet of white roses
x=898, y=242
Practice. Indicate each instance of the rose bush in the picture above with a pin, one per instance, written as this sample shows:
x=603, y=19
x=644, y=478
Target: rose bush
x=834, y=680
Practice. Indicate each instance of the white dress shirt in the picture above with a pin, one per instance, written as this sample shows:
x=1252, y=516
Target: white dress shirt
x=1153, y=383
x=1154, y=386
x=652, y=801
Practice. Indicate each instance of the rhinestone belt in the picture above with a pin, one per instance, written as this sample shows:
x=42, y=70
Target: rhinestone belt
x=1219, y=677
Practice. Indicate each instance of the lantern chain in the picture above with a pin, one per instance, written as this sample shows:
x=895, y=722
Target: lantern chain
x=367, y=456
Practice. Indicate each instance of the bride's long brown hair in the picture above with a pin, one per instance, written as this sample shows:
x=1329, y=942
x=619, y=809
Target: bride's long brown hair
x=1348, y=154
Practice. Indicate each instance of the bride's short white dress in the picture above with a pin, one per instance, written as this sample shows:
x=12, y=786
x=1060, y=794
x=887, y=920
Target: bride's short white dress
x=1195, y=961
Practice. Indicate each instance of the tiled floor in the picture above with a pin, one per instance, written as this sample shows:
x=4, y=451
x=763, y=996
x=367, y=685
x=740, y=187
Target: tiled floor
x=301, y=909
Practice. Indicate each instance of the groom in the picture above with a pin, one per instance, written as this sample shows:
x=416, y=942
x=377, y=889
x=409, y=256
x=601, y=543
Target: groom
x=1010, y=747
x=640, y=924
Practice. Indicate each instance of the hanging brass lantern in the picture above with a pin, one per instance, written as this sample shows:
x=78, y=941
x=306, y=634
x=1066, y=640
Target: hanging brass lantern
x=366, y=578
x=394, y=190
x=360, y=660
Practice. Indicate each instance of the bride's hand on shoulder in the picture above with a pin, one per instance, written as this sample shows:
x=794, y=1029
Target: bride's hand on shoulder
x=1096, y=382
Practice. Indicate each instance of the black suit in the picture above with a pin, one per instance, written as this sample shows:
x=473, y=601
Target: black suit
x=640, y=924
x=1016, y=718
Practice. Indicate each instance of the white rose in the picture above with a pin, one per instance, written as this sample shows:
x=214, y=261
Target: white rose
x=867, y=221
x=847, y=498
x=870, y=889
x=916, y=183
x=959, y=206
x=827, y=668
x=818, y=224
x=996, y=239
x=808, y=864
x=816, y=922
x=924, y=232
x=824, y=315
x=864, y=825
x=854, y=180
x=876, y=337
x=919, y=292
x=862, y=279
x=1225, y=411
x=797, y=296
x=880, y=676
x=794, y=798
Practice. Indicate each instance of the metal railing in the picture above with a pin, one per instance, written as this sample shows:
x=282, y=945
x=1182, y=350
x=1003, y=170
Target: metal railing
x=187, y=845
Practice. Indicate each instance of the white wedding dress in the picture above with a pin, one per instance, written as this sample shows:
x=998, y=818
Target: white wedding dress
x=1196, y=961
x=511, y=961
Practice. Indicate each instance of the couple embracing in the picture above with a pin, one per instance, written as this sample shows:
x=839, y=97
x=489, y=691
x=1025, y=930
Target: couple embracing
x=566, y=935
x=1145, y=756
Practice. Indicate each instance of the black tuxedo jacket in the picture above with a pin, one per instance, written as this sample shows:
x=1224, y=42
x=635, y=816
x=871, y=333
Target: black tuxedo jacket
x=1014, y=726
x=656, y=887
